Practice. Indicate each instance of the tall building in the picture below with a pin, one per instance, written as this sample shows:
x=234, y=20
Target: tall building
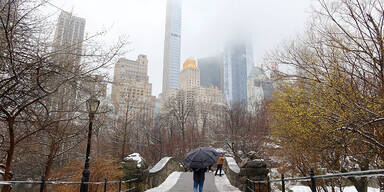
x=255, y=88
x=200, y=98
x=211, y=72
x=238, y=61
x=172, y=43
x=131, y=90
x=259, y=88
x=69, y=37
x=190, y=75
x=67, y=48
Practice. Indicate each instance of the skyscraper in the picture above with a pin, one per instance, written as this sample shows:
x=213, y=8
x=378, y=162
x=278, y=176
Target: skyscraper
x=190, y=75
x=171, y=65
x=260, y=88
x=211, y=72
x=67, y=48
x=255, y=90
x=238, y=61
x=131, y=91
x=206, y=102
x=69, y=37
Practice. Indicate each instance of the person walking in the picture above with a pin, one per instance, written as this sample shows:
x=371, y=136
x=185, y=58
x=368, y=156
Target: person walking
x=199, y=160
x=198, y=179
x=220, y=162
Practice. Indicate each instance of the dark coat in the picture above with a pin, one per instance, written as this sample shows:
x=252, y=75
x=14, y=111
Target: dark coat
x=199, y=174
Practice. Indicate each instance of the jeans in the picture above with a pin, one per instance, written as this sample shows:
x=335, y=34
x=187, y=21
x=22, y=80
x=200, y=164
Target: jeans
x=219, y=167
x=198, y=184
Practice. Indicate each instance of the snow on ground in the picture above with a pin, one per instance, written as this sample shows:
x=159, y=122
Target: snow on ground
x=136, y=157
x=300, y=188
x=167, y=184
x=160, y=164
x=223, y=185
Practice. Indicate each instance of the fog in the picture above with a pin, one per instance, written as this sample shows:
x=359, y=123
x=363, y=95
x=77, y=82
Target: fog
x=268, y=22
x=206, y=25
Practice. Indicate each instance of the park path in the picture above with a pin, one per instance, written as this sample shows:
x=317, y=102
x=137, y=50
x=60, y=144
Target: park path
x=183, y=182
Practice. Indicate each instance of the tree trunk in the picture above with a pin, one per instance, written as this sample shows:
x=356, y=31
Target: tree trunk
x=124, y=143
x=183, y=135
x=10, y=152
x=361, y=184
x=48, y=168
x=381, y=183
x=137, y=140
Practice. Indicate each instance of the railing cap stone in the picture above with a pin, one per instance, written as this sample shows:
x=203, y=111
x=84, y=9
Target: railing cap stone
x=232, y=164
x=159, y=165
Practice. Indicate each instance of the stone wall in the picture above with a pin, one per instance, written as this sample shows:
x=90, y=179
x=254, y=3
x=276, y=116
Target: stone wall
x=253, y=169
x=232, y=171
x=150, y=178
x=159, y=173
x=134, y=170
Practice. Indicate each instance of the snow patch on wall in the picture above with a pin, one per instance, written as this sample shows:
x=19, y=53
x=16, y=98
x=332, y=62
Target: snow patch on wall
x=159, y=165
x=232, y=164
x=135, y=157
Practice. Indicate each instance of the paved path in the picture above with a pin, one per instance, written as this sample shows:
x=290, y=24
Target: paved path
x=185, y=183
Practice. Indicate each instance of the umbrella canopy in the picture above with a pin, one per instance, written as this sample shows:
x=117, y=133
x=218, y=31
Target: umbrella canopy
x=201, y=157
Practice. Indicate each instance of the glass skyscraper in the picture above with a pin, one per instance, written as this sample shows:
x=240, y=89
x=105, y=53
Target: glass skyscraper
x=238, y=61
x=211, y=72
x=171, y=66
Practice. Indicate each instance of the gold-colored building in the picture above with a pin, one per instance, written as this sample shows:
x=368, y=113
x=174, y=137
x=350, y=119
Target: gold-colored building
x=205, y=101
x=190, y=75
x=190, y=83
x=131, y=90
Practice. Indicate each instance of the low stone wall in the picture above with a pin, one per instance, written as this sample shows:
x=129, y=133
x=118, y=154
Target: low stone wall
x=150, y=178
x=253, y=169
x=159, y=173
x=232, y=170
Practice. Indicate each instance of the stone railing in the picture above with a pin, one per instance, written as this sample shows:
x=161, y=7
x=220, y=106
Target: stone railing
x=232, y=170
x=150, y=178
x=253, y=169
x=159, y=173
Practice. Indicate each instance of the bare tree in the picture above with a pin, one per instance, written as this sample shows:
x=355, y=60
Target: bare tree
x=181, y=110
x=124, y=127
x=29, y=73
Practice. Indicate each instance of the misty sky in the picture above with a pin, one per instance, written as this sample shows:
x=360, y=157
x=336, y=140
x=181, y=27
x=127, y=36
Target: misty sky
x=206, y=24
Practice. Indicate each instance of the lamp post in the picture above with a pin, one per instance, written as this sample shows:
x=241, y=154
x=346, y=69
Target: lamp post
x=92, y=106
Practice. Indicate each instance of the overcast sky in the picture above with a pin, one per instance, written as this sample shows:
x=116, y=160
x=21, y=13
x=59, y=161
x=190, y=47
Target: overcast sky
x=206, y=24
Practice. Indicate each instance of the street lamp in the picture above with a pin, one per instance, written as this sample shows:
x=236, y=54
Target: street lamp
x=92, y=106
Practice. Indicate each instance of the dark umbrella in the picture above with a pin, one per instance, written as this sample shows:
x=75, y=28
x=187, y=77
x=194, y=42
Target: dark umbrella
x=201, y=157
